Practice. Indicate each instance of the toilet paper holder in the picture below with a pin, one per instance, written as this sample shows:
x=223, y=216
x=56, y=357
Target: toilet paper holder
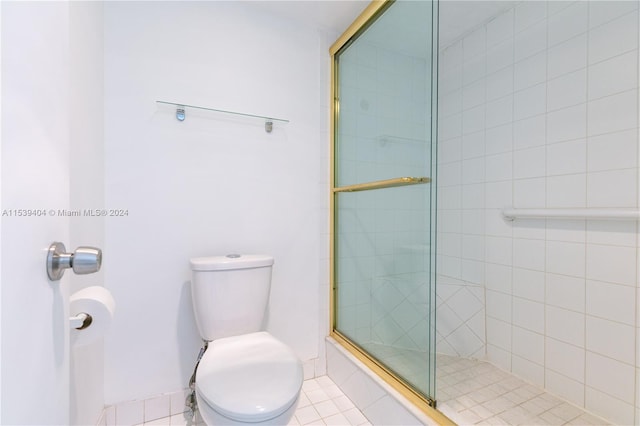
x=80, y=321
x=85, y=260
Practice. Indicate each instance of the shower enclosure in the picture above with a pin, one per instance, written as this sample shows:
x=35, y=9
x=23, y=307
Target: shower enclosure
x=538, y=308
x=383, y=201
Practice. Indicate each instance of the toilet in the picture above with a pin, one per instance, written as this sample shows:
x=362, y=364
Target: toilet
x=246, y=376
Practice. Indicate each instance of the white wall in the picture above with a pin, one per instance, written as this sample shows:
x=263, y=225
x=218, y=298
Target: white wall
x=213, y=184
x=539, y=109
x=35, y=175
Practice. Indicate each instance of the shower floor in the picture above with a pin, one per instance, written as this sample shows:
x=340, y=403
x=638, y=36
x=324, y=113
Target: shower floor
x=475, y=392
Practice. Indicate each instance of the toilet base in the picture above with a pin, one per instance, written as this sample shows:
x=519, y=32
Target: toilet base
x=212, y=418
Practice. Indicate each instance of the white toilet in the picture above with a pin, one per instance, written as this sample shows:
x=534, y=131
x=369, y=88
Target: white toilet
x=246, y=376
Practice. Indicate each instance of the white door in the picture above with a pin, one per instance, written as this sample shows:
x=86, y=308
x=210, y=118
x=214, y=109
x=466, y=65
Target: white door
x=35, y=184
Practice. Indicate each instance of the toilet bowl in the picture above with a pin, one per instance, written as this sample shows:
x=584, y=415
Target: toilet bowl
x=253, y=378
x=246, y=376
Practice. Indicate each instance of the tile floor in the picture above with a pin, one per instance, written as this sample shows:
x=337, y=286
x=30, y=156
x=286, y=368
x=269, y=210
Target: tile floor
x=321, y=403
x=476, y=392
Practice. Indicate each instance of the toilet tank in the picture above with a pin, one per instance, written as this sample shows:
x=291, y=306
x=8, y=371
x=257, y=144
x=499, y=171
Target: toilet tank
x=230, y=294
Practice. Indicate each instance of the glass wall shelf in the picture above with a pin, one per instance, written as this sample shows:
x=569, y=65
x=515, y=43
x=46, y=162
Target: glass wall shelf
x=181, y=114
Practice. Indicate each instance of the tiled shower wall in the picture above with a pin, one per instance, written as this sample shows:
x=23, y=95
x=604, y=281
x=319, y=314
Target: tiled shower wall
x=539, y=109
x=382, y=236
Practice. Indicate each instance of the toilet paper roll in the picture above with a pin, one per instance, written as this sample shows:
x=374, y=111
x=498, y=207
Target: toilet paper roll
x=97, y=302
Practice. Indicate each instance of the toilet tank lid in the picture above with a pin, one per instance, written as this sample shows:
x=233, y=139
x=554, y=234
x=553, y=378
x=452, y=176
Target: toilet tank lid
x=230, y=261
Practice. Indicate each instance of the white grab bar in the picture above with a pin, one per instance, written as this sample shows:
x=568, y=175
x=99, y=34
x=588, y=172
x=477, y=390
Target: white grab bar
x=577, y=213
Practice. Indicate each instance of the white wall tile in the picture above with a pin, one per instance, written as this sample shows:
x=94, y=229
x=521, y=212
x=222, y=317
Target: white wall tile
x=473, y=94
x=613, y=38
x=529, y=132
x=500, y=28
x=601, y=12
x=473, y=247
x=613, y=151
x=498, y=278
x=618, y=233
x=500, y=56
x=474, y=44
x=530, y=102
x=565, y=258
x=613, y=113
x=499, y=357
x=498, y=167
x=450, y=174
x=555, y=7
x=473, y=220
x=531, y=229
x=499, y=139
x=602, y=404
x=499, y=111
x=157, y=408
x=448, y=104
x=567, y=157
x=611, y=301
x=568, y=23
x=474, y=70
x=498, y=250
x=612, y=339
x=568, y=123
x=567, y=56
x=130, y=413
x=473, y=145
x=450, y=127
x=565, y=325
x=615, y=188
x=498, y=307
x=529, y=13
x=473, y=196
x=451, y=57
x=498, y=194
x=449, y=81
x=528, y=345
x=473, y=170
x=529, y=193
x=565, y=292
x=496, y=225
x=473, y=120
x=567, y=191
x=500, y=83
x=614, y=75
x=528, y=370
x=531, y=41
x=528, y=163
x=566, y=230
x=528, y=314
x=610, y=376
x=498, y=332
x=567, y=90
x=530, y=71
x=450, y=150
x=565, y=359
x=612, y=264
x=529, y=254
x=569, y=389
x=528, y=284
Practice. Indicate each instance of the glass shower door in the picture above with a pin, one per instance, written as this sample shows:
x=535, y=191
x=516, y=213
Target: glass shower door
x=384, y=196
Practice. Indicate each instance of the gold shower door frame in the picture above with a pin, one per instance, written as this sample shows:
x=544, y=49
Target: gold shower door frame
x=366, y=18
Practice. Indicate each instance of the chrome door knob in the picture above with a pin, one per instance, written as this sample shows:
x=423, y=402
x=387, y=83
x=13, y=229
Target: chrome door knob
x=85, y=260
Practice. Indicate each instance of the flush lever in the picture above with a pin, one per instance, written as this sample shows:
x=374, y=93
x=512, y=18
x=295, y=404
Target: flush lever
x=85, y=260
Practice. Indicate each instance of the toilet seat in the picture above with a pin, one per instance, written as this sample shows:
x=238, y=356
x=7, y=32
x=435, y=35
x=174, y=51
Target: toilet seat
x=249, y=378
